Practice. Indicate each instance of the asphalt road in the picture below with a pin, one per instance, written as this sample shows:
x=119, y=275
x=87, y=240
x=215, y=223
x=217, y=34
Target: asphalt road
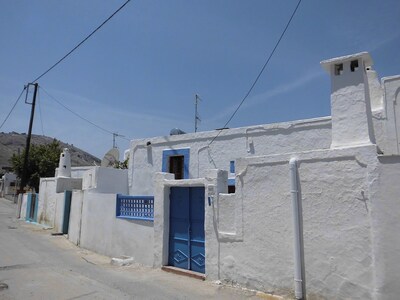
x=36, y=265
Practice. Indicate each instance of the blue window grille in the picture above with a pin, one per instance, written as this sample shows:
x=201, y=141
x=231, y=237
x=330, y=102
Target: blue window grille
x=135, y=207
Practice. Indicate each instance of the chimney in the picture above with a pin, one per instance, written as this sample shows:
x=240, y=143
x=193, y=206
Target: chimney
x=350, y=100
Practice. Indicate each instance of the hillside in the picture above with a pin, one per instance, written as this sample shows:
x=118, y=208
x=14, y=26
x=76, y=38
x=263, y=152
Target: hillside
x=13, y=142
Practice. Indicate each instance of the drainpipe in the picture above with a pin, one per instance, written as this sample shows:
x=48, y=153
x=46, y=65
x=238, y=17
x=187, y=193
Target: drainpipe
x=298, y=245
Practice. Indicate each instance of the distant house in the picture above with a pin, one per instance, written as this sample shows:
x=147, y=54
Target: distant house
x=8, y=184
x=316, y=199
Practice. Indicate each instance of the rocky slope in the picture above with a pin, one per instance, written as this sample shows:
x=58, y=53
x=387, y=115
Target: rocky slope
x=13, y=142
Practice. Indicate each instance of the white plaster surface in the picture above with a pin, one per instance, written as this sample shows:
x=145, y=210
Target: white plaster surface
x=103, y=233
x=68, y=184
x=337, y=239
x=76, y=172
x=106, y=180
x=64, y=166
x=391, y=87
x=59, y=212
x=47, y=201
x=385, y=207
x=75, y=217
x=231, y=144
x=24, y=203
x=350, y=102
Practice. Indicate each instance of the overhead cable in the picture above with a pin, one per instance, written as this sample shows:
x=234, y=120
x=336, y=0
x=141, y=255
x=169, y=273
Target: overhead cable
x=260, y=73
x=84, y=40
x=78, y=115
x=40, y=112
x=15, y=104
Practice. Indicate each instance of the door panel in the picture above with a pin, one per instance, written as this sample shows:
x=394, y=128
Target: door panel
x=186, y=241
x=197, y=253
x=179, y=228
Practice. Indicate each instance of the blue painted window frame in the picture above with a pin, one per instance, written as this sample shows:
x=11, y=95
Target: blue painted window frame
x=231, y=181
x=232, y=166
x=176, y=152
x=137, y=208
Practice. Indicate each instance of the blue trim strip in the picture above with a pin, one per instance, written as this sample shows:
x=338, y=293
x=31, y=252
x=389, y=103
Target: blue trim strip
x=232, y=166
x=176, y=152
x=231, y=181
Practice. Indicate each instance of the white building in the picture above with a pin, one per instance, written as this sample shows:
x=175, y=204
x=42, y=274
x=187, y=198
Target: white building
x=343, y=170
x=8, y=184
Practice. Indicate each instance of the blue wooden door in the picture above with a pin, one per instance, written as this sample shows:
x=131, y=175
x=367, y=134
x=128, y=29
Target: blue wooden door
x=32, y=207
x=186, y=232
x=67, y=210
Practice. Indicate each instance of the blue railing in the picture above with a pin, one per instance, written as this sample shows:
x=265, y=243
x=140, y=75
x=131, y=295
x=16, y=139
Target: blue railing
x=135, y=207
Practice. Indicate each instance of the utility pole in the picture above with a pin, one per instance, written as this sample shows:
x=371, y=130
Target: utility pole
x=196, y=113
x=28, y=138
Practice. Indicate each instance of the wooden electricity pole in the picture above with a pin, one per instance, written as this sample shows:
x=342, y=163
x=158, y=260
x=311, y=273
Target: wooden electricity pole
x=28, y=138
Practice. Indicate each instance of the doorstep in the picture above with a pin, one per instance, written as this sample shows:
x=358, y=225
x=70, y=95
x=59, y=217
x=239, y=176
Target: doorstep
x=184, y=272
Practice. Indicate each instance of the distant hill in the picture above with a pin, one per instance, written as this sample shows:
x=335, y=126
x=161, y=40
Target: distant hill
x=14, y=142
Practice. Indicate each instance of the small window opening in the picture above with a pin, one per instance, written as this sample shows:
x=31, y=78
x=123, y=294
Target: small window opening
x=62, y=155
x=354, y=65
x=231, y=189
x=338, y=69
x=176, y=165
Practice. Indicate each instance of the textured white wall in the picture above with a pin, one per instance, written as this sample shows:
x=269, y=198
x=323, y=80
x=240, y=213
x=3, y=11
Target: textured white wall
x=385, y=208
x=249, y=235
x=231, y=144
x=47, y=201
x=24, y=203
x=75, y=217
x=106, y=180
x=103, y=233
x=350, y=101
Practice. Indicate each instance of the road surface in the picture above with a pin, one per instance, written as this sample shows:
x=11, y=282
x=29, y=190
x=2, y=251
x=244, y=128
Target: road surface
x=36, y=265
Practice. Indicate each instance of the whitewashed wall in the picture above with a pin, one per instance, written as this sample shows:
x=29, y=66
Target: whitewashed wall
x=106, y=180
x=103, y=233
x=384, y=209
x=296, y=136
x=47, y=201
x=75, y=217
x=24, y=203
x=249, y=234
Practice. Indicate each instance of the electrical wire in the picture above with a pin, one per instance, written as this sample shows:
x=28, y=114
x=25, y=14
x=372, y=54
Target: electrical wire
x=259, y=74
x=84, y=40
x=40, y=112
x=79, y=116
x=15, y=104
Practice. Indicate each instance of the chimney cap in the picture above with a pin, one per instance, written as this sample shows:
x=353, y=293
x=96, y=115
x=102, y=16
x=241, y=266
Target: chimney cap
x=365, y=57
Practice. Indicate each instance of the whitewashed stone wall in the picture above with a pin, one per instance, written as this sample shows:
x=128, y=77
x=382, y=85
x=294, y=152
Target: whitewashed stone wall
x=102, y=232
x=232, y=144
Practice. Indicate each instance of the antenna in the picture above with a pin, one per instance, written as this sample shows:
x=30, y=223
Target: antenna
x=114, y=136
x=196, y=113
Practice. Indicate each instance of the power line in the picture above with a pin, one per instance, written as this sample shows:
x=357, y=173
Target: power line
x=84, y=40
x=15, y=104
x=79, y=116
x=40, y=112
x=75, y=113
x=260, y=73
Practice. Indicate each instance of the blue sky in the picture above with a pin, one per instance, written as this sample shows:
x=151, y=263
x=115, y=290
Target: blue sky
x=138, y=75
